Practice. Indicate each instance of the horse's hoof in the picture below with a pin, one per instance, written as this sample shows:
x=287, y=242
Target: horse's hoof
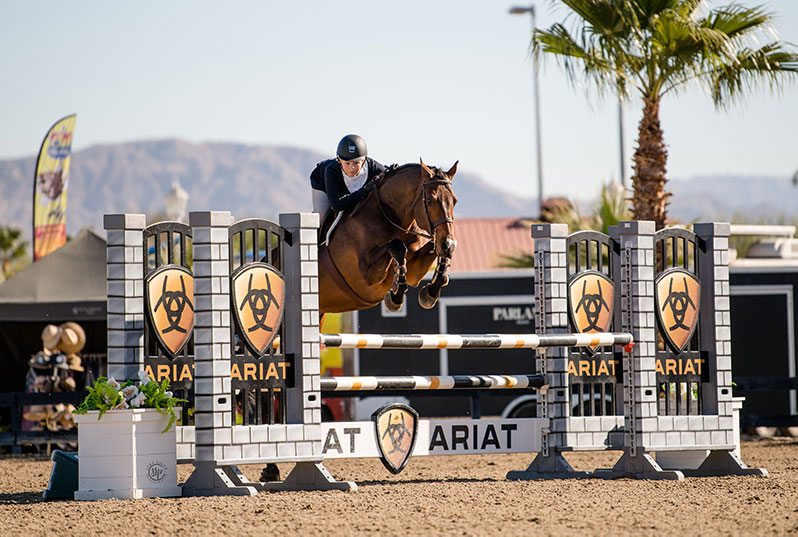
x=270, y=473
x=390, y=305
x=426, y=300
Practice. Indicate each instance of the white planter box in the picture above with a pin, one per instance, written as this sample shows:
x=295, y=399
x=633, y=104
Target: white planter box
x=124, y=455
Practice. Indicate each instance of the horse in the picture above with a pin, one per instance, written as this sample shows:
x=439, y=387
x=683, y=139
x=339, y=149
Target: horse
x=391, y=240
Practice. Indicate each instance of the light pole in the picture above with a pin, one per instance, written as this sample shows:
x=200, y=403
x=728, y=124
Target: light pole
x=535, y=97
x=620, y=136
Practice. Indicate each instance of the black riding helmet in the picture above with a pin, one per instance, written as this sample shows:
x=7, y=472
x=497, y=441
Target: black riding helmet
x=351, y=148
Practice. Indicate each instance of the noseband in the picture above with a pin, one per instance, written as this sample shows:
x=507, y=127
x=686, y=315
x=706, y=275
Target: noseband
x=422, y=194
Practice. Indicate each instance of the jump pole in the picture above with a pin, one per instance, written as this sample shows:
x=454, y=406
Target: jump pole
x=453, y=382
x=481, y=341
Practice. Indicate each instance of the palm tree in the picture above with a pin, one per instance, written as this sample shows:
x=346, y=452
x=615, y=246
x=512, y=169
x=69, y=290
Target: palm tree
x=661, y=46
x=11, y=249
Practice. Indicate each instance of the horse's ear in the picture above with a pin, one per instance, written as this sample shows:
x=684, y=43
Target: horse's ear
x=452, y=170
x=425, y=167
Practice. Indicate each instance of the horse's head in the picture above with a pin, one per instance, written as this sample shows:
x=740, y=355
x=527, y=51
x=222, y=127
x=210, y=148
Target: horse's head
x=438, y=207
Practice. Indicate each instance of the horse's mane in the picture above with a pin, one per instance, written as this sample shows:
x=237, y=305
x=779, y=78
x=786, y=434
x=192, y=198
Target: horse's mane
x=392, y=170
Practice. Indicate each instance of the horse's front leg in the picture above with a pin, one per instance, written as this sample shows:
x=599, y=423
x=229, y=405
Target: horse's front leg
x=428, y=295
x=419, y=264
x=396, y=296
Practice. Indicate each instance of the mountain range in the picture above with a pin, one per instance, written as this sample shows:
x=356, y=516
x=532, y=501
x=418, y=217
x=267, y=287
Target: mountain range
x=249, y=181
x=740, y=199
x=263, y=181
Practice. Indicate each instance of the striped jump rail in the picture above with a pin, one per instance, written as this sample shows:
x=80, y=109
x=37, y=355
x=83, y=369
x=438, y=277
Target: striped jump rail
x=453, y=382
x=481, y=341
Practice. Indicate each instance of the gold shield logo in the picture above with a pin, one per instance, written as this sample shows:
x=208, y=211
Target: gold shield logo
x=678, y=293
x=258, y=293
x=590, y=302
x=170, y=306
x=396, y=427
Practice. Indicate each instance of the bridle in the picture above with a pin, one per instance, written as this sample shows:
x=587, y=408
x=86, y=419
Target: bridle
x=421, y=194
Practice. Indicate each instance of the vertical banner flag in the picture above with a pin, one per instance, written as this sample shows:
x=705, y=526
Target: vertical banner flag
x=50, y=188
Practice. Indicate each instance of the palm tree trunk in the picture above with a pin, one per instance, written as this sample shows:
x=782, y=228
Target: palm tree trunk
x=649, y=198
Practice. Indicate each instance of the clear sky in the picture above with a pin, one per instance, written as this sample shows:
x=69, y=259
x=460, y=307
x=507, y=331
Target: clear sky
x=441, y=80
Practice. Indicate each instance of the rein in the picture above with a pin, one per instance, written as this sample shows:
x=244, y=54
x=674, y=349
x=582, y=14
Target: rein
x=423, y=192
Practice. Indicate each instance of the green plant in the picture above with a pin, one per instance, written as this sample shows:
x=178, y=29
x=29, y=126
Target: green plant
x=12, y=250
x=107, y=394
x=660, y=47
x=612, y=207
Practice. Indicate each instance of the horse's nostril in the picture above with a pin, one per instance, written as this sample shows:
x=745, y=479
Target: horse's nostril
x=449, y=245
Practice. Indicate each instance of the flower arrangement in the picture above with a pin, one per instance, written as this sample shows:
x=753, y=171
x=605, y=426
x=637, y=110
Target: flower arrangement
x=108, y=394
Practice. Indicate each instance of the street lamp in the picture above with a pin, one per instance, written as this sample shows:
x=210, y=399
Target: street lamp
x=531, y=10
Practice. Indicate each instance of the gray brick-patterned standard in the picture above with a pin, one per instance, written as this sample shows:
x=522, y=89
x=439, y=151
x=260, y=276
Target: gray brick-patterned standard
x=212, y=386
x=550, y=247
x=125, y=309
x=301, y=334
x=637, y=238
x=714, y=275
x=646, y=430
x=220, y=444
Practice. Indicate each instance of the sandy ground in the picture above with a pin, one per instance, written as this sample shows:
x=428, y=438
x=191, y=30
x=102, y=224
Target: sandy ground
x=464, y=495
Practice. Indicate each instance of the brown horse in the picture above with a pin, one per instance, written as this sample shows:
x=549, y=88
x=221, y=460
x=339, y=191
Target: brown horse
x=391, y=240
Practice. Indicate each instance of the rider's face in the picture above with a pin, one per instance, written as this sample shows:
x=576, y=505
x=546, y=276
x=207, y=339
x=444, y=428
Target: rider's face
x=352, y=168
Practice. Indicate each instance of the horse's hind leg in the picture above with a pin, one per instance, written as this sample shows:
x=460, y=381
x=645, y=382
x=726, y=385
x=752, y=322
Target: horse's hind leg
x=428, y=295
x=394, y=299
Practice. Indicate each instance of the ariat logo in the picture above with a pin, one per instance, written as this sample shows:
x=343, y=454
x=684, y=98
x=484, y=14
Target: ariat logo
x=258, y=294
x=170, y=306
x=590, y=302
x=678, y=293
x=396, y=427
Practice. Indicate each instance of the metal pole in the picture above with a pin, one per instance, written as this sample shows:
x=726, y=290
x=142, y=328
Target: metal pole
x=535, y=97
x=537, y=119
x=620, y=134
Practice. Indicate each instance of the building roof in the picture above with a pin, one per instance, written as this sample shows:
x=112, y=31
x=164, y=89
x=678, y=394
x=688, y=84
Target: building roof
x=68, y=284
x=482, y=241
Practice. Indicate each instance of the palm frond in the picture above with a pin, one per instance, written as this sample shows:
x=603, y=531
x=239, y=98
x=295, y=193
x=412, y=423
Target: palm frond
x=736, y=20
x=605, y=17
x=649, y=9
x=573, y=55
x=767, y=65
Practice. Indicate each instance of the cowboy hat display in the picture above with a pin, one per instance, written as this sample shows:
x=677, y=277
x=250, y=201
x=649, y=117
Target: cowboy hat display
x=51, y=335
x=75, y=362
x=72, y=339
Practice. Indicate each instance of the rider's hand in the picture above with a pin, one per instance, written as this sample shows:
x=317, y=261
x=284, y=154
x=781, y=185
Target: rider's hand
x=371, y=185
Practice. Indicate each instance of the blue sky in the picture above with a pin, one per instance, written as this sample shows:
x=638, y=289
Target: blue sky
x=442, y=80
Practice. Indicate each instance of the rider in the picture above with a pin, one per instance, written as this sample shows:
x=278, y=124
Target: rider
x=339, y=184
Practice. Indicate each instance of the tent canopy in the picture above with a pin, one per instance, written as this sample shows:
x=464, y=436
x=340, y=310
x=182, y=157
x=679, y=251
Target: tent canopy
x=66, y=285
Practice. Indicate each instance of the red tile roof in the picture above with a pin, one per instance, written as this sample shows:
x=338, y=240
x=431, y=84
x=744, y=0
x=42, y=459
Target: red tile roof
x=481, y=241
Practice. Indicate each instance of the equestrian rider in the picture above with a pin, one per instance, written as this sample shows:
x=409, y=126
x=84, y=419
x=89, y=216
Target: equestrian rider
x=341, y=183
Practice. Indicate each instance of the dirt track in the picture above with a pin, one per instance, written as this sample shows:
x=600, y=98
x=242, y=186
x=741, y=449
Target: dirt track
x=465, y=495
